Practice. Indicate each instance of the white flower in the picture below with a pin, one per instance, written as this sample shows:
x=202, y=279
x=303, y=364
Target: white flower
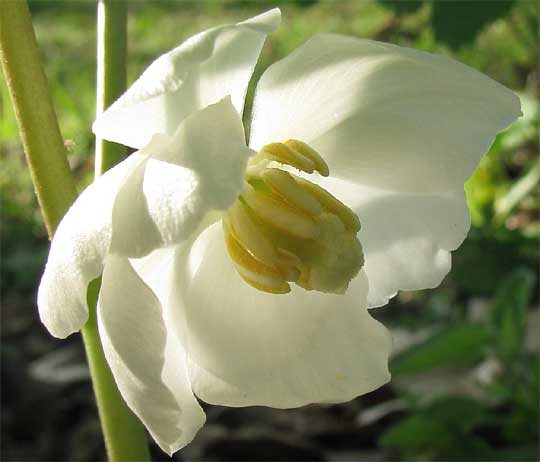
x=399, y=131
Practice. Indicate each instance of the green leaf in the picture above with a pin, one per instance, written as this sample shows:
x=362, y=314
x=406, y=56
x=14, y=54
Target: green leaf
x=442, y=429
x=457, y=22
x=416, y=433
x=477, y=265
x=459, y=413
x=510, y=310
x=463, y=343
x=402, y=6
x=518, y=191
x=528, y=452
x=524, y=129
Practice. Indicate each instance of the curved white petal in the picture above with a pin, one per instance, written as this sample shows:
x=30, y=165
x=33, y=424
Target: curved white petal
x=383, y=115
x=247, y=347
x=147, y=362
x=184, y=177
x=406, y=237
x=78, y=251
x=155, y=270
x=201, y=71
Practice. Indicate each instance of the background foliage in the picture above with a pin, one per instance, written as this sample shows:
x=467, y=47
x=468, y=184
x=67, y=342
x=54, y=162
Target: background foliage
x=465, y=371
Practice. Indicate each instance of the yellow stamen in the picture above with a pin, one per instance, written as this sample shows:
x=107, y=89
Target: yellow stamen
x=285, y=185
x=282, y=153
x=283, y=288
x=280, y=214
x=289, y=258
x=252, y=270
x=289, y=265
x=283, y=228
x=303, y=280
x=247, y=232
x=307, y=151
x=333, y=205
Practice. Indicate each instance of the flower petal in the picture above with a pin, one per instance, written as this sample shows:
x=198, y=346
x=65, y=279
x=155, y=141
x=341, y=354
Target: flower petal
x=198, y=170
x=78, y=251
x=203, y=70
x=247, y=347
x=154, y=269
x=147, y=362
x=383, y=115
x=406, y=237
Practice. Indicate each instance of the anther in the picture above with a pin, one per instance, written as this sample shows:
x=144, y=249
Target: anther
x=285, y=185
x=283, y=228
x=250, y=235
x=254, y=272
x=284, y=154
x=333, y=205
x=281, y=215
x=289, y=265
x=307, y=151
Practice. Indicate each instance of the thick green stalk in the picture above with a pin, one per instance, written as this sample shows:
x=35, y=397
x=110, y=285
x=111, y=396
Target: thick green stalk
x=45, y=153
x=43, y=144
x=111, y=73
x=124, y=435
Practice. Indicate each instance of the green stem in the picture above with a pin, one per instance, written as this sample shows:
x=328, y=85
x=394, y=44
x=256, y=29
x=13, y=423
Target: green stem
x=27, y=84
x=111, y=73
x=124, y=435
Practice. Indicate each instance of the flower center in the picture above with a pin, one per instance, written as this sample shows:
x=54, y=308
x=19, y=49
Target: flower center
x=283, y=228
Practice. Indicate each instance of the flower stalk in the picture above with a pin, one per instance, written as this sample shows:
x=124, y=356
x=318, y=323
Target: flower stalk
x=38, y=127
x=124, y=435
x=111, y=73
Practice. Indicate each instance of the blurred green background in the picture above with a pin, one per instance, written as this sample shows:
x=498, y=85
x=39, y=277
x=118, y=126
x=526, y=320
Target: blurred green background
x=466, y=368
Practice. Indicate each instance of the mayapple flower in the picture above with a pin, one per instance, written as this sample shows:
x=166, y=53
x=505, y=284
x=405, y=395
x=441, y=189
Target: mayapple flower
x=242, y=273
